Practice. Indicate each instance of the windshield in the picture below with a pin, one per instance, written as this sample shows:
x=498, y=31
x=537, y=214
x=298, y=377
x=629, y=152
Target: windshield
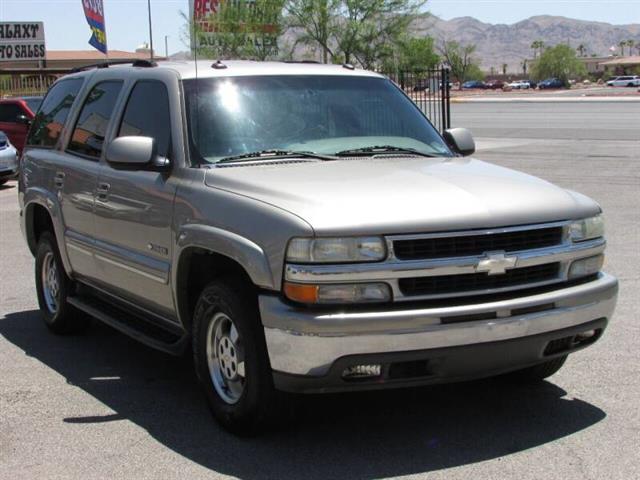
x=322, y=114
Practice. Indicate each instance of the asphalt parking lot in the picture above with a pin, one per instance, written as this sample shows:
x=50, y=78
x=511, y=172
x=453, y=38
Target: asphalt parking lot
x=99, y=405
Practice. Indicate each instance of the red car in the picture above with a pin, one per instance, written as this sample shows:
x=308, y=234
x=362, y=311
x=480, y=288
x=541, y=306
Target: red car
x=16, y=115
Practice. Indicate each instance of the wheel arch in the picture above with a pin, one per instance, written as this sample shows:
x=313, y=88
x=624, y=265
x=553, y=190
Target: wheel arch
x=206, y=253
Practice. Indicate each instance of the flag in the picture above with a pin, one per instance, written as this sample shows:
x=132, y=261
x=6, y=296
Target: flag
x=94, y=13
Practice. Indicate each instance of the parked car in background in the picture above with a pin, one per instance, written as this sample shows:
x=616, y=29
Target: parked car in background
x=495, y=85
x=8, y=159
x=16, y=115
x=551, y=83
x=532, y=83
x=520, y=85
x=625, y=81
x=474, y=84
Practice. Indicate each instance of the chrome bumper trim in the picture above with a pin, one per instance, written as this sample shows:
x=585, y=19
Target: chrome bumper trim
x=306, y=342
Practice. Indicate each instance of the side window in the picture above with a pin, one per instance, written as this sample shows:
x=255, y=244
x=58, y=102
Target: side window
x=48, y=123
x=147, y=114
x=9, y=112
x=91, y=127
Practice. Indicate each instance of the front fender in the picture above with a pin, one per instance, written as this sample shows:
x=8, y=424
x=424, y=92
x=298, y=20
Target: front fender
x=245, y=252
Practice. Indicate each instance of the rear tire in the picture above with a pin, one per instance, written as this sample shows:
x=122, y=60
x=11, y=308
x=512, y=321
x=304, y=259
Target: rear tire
x=53, y=287
x=231, y=360
x=539, y=372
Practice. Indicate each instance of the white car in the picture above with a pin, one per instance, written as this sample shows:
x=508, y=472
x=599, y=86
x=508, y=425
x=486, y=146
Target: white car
x=520, y=84
x=8, y=159
x=625, y=81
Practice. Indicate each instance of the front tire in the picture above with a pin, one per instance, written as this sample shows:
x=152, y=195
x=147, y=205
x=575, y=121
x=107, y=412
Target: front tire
x=231, y=359
x=53, y=287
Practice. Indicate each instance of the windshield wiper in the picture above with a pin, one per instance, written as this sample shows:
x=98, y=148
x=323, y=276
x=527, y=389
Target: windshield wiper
x=273, y=154
x=381, y=149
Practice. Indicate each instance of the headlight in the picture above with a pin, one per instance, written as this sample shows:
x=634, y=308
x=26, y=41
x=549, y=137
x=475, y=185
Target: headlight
x=586, y=266
x=336, y=250
x=588, y=228
x=333, y=294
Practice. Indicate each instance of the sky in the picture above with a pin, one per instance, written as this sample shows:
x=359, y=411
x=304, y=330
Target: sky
x=127, y=27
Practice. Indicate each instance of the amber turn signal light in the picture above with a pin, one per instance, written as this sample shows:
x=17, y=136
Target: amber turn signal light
x=301, y=293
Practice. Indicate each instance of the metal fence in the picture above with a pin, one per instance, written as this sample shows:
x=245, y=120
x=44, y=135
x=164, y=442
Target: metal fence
x=23, y=84
x=430, y=90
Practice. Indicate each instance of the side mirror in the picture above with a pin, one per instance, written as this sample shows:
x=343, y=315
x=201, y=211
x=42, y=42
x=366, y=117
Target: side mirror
x=135, y=153
x=461, y=140
x=23, y=119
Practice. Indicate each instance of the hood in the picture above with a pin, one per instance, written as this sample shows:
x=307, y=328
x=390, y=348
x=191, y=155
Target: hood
x=403, y=195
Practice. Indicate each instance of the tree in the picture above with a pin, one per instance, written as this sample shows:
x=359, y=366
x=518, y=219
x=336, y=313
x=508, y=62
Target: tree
x=630, y=44
x=460, y=59
x=353, y=31
x=524, y=66
x=504, y=68
x=414, y=54
x=537, y=47
x=582, y=50
x=622, y=44
x=314, y=21
x=559, y=62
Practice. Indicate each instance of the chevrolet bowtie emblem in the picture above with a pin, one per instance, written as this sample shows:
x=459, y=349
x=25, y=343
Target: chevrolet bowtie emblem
x=496, y=263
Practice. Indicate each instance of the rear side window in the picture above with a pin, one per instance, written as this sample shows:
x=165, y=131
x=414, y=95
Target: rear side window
x=147, y=114
x=91, y=127
x=48, y=123
x=9, y=112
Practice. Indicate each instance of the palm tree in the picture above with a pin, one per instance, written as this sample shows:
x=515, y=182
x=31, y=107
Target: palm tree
x=582, y=50
x=536, y=46
x=504, y=68
x=622, y=44
x=630, y=44
x=524, y=66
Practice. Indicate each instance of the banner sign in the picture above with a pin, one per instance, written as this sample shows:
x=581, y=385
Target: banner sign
x=21, y=41
x=253, y=23
x=94, y=13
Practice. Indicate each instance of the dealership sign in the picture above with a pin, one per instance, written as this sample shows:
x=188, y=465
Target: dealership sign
x=257, y=27
x=21, y=41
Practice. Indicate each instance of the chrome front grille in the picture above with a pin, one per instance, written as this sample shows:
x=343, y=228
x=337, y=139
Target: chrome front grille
x=462, y=263
x=476, y=244
x=477, y=282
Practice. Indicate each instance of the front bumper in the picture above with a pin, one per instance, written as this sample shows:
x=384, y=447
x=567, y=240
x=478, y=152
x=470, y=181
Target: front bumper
x=307, y=347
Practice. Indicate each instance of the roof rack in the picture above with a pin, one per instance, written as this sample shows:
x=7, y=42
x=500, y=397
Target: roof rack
x=135, y=63
x=301, y=61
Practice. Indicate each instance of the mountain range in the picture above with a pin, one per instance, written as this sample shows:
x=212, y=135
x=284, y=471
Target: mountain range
x=511, y=44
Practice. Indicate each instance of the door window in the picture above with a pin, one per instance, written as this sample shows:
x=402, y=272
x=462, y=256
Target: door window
x=88, y=136
x=9, y=112
x=48, y=123
x=147, y=115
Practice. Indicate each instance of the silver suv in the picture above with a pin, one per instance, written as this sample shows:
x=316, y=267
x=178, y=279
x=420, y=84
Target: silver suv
x=300, y=228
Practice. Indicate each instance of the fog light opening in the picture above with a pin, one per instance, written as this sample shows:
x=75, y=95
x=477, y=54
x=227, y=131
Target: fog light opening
x=585, y=335
x=359, y=372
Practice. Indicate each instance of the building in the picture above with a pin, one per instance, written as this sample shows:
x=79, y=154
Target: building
x=34, y=77
x=622, y=65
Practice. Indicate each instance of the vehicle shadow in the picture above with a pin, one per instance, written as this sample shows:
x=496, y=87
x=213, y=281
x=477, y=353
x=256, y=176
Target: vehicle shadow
x=362, y=436
x=7, y=186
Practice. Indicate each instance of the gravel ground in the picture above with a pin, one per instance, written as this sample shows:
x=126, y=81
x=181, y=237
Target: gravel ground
x=99, y=405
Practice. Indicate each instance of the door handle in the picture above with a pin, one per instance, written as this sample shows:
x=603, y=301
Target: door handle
x=103, y=191
x=58, y=180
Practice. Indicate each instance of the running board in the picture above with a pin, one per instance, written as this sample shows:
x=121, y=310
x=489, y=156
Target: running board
x=135, y=326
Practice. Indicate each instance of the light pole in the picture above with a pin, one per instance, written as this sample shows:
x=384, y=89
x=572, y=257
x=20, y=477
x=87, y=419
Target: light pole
x=166, y=47
x=150, y=30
